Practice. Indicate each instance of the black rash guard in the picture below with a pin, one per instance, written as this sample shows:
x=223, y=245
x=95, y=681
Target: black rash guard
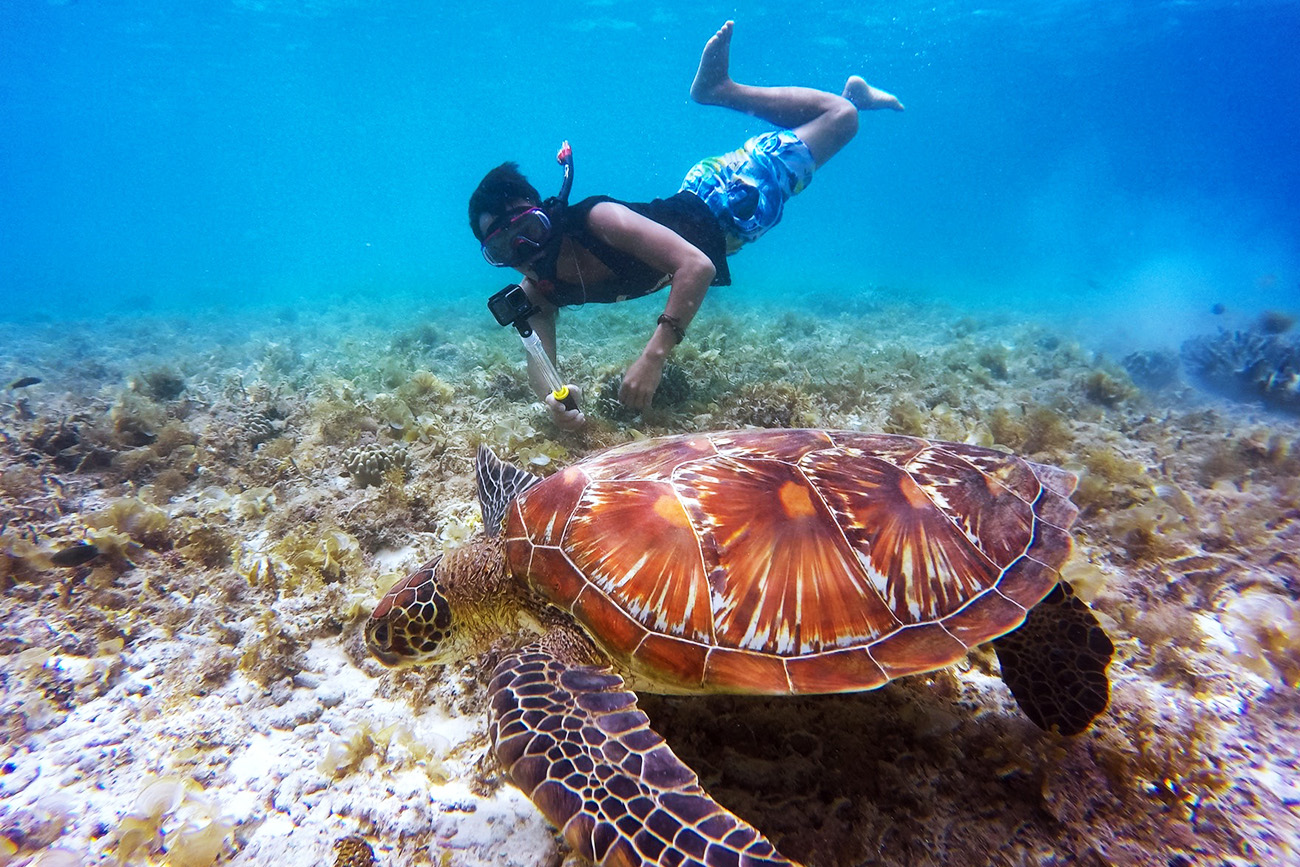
x=684, y=213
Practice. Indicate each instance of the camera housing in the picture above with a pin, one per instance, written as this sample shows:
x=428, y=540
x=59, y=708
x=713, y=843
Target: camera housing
x=511, y=306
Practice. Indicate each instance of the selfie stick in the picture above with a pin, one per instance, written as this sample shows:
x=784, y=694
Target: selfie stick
x=559, y=391
x=511, y=306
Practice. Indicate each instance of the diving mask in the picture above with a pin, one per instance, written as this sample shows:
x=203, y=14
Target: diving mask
x=522, y=237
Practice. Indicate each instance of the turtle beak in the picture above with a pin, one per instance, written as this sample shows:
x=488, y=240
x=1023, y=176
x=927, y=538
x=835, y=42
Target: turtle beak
x=386, y=659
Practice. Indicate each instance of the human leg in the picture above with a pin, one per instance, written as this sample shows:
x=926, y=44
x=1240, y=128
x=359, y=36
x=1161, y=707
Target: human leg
x=824, y=121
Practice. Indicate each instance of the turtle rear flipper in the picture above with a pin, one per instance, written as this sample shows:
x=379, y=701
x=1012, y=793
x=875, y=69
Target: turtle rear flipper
x=1055, y=664
x=573, y=739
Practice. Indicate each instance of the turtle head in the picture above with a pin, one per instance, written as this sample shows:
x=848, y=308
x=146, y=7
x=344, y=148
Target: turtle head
x=413, y=623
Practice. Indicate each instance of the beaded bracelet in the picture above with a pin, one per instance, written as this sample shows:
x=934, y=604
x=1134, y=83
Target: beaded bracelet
x=674, y=324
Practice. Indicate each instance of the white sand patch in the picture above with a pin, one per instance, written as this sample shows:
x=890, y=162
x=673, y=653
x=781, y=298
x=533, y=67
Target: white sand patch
x=278, y=774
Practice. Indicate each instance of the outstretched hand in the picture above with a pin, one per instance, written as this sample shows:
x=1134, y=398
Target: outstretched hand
x=566, y=419
x=640, y=382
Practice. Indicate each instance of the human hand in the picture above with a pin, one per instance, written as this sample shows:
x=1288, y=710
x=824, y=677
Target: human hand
x=566, y=419
x=640, y=382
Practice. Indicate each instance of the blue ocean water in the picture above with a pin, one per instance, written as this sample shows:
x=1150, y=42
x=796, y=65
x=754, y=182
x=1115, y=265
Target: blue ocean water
x=1135, y=162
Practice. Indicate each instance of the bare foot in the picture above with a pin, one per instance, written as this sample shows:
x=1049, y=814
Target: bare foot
x=712, y=79
x=864, y=96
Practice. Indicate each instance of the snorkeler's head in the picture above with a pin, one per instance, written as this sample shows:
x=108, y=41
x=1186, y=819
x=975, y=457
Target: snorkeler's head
x=500, y=191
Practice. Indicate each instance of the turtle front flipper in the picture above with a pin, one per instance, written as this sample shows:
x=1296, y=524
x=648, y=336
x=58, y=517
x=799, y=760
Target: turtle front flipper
x=1055, y=664
x=573, y=739
x=498, y=485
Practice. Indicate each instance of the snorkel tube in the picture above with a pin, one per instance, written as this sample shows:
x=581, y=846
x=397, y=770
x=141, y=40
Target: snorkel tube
x=511, y=306
x=565, y=158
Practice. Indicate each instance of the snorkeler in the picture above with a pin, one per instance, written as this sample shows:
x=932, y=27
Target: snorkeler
x=601, y=250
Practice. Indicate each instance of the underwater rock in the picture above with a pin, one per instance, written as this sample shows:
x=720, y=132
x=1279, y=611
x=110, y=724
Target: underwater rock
x=1247, y=366
x=70, y=450
x=1152, y=368
x=51, y=438
x=370, y=462
x=154, y=664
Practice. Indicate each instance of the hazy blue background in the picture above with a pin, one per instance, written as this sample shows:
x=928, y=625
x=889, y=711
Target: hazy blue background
x=1133, y=161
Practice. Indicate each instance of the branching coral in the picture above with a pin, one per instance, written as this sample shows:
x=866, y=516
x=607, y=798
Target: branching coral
x=309, y=547
x=1247, y=365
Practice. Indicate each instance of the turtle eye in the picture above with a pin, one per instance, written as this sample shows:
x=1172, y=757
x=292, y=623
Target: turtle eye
x=379, y=640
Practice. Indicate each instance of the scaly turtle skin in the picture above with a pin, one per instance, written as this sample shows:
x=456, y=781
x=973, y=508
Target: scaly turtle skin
x=766, y=562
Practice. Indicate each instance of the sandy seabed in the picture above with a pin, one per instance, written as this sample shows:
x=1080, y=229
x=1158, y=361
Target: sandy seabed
x=197, y=691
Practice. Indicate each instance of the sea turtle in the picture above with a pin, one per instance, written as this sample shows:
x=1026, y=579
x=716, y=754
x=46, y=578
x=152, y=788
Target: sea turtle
x=758, y=561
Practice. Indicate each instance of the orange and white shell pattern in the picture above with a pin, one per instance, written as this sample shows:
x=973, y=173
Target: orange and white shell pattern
x=792, y=561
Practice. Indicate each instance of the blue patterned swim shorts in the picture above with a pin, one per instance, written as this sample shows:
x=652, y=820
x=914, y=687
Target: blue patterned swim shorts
x=747, y=189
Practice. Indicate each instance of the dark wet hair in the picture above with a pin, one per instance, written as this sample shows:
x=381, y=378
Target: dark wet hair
x=503, y=184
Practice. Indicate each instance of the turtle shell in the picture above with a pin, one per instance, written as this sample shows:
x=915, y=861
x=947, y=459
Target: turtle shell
x=792, y=561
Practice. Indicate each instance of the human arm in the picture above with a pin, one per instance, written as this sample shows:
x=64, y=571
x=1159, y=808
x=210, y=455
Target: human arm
x=688, y=267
